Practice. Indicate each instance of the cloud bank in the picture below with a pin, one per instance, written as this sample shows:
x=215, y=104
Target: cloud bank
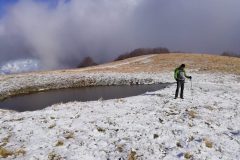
x=63, y=33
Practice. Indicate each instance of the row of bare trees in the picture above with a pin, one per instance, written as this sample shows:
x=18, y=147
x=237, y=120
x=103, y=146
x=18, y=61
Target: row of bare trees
x=88, y=61
x=142, y=51
x=230, y=54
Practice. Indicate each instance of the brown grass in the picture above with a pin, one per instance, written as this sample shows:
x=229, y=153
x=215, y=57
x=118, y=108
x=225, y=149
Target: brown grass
x=59, y=143
x=208, y=143
x=168, y=62
x=132, y=155
x=188, y=155
x=192, y=114
x=4, y=153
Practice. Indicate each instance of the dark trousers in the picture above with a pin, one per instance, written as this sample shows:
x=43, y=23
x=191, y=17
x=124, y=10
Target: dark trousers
x=180, y=83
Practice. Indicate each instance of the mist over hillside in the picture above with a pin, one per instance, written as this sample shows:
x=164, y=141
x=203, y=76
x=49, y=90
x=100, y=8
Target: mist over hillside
x=61, y=33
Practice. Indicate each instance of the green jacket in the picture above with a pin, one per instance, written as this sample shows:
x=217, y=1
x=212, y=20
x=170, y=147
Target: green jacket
x=180, y=74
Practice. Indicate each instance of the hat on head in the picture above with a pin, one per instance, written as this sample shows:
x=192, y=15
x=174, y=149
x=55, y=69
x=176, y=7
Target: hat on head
x=182, y=66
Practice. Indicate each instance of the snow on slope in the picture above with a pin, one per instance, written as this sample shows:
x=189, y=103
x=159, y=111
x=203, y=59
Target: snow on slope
x=153, y=124
x=19, y=66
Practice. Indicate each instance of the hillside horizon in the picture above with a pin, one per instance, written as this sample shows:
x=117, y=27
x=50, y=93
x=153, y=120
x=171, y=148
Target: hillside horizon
x=163, y=62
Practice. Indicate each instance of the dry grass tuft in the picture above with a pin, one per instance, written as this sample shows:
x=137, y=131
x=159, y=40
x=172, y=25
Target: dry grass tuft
x=69, y=135
x=192, y=114
x=208, y=143
x=5, y=141
x=52, y=126
x=54, y=156
x=120, y=148
x=20, y=152
x=188, y=155
x=59, y=143
x=132, y=155
x=101, y=129
x=4, y=153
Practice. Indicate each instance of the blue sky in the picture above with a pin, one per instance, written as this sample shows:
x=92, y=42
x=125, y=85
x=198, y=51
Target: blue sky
x=4, y=4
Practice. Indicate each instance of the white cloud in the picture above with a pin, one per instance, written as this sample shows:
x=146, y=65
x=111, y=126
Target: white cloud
x=2, y=30
x=104, y=28
x=74, y=29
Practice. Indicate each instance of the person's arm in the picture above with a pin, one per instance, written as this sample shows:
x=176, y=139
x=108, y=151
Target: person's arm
x=189, y=77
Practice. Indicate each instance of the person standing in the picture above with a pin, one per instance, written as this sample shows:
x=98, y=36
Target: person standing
x=180, y=76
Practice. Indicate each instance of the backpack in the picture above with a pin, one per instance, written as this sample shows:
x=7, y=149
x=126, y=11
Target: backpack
x=176, y=73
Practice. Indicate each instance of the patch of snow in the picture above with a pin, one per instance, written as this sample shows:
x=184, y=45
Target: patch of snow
x=205, y=125
x=146, y=61
x=19, y=66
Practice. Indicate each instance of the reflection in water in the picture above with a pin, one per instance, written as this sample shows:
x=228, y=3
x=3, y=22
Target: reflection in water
x=41, y=100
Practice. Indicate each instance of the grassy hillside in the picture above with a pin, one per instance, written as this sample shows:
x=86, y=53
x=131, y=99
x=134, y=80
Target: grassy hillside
x=167, y=62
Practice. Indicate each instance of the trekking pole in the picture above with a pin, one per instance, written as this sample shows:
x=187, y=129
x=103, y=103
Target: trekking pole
x=191, y=89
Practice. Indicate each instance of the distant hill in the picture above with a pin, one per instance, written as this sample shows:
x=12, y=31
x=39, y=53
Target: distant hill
x=142, y=51
x=87, y=62
x=230, y=54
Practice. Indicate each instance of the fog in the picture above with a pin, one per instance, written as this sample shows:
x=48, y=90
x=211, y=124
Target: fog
x=62, y=33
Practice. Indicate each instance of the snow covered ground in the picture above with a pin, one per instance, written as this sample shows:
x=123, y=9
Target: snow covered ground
x=24, y=83
x=151, y=126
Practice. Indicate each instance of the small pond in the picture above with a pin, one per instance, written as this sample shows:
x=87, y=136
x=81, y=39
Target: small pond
x=40, y=100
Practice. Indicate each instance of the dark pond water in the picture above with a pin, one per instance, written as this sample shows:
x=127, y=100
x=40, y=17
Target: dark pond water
x=41, y=100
